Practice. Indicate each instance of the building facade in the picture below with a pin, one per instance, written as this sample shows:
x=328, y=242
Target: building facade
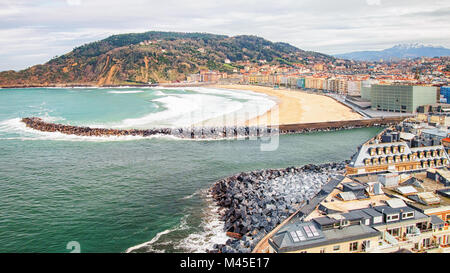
x=445, y=94
x=401, y=98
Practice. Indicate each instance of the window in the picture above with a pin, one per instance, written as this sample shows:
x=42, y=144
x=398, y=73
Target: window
x=407, y=215
x=354, y=246
x=426, y=242
x=377, y=219
x=336, y=247
x=394, y=232
x=365, y=244
x=409, y=229
x=393, y=217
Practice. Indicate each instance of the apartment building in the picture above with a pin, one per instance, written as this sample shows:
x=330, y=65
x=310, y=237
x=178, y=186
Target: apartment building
x=396, y=156
x=407, y=147
x=428, y=192
x=361, y=216
x=354, y=88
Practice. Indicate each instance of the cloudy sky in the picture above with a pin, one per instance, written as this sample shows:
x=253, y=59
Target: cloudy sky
x=33, y=31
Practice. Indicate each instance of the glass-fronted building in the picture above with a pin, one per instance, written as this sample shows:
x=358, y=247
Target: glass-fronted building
x=401, y=98
x=445, y=94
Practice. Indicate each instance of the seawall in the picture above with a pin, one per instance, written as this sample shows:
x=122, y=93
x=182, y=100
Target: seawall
x=338, y=125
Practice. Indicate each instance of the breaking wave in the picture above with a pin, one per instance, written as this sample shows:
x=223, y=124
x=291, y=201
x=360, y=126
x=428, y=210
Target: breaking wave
x=184, y=108
x=200, y=237
x=15, y=129
x=212, y=231
x=149, y=246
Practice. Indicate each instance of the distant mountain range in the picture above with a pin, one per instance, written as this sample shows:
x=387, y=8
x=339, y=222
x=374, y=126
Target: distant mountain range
x=401, y=51
x=140, y=58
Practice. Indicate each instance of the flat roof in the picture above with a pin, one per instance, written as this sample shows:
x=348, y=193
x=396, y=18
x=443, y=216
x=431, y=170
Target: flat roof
x=355, y=215
x=426, y=185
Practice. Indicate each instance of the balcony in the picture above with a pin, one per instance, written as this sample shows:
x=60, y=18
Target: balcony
x=390, y=239
x=415, y=232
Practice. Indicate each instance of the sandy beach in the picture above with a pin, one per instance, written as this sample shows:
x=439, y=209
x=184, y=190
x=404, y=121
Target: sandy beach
x=296, y=107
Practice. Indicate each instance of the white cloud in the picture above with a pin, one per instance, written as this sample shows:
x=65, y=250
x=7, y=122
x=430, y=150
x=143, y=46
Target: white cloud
x=53, y=27
x=73, y=2
x=373, y=2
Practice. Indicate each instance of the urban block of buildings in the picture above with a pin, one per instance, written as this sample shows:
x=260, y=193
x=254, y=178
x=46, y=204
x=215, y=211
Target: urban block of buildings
x=398, y=86
x=395, y=197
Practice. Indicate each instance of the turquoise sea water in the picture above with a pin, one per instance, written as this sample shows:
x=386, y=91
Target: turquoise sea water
x=111, y=195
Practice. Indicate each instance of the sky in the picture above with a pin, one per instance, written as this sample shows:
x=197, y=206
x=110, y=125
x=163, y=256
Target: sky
x=34, y=31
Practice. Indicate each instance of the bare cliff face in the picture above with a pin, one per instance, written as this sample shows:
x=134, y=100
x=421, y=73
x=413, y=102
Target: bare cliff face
x=132, y=59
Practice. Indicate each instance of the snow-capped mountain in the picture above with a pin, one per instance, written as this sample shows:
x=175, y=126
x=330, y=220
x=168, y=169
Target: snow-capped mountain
x=400, y=51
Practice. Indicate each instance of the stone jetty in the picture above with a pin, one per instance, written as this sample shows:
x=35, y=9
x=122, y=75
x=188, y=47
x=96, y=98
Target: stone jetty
x=253, y=203
x=188, y=132
x=222, y=132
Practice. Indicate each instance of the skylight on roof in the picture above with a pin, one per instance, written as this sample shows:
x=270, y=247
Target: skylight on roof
x=300, y=235
x=294, y=237
x=314, y=231
x=308, y=231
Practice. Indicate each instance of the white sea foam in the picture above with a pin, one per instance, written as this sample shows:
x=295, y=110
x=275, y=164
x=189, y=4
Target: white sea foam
x=177, y=110
x=202, y=104
x=148, y=246
x=183, y=110
x=189, y=196
x=48, y=118
x=22, y=132
x=212, y=231
x=126, y=92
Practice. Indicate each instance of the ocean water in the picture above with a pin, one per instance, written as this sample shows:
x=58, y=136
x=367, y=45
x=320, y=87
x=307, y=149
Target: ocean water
x=131, y=194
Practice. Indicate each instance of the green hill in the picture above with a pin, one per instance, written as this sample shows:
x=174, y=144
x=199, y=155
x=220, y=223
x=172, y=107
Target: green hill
x=139, y=58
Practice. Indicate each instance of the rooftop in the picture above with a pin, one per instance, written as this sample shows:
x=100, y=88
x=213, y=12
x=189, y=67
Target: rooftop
x=342, y=227
x=287, y=238
x=426, y=195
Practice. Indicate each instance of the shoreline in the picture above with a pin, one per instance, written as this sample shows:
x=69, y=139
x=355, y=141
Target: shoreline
x=292, y=107
x=295, y=107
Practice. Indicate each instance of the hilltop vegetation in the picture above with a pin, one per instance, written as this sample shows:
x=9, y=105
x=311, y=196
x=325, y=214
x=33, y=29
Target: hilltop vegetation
x=140, y=58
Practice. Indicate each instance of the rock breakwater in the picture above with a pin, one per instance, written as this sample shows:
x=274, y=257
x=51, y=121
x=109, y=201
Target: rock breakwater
x=253, y=203
x=188, y=132
x=222, y=132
